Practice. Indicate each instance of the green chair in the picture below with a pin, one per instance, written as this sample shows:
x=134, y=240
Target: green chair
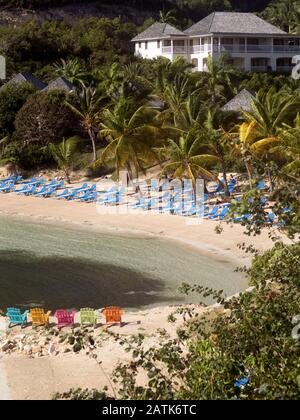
x=88, y=316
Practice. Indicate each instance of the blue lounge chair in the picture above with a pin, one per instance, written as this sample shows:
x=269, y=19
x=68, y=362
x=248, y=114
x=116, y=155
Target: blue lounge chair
x=8, y=187
x=270, y=218
x=16, y=317
x=243, y=218
x=262, y=186
x=63, y=194
x=175, y=210
x=72, y=195
x=29, y=190
x=32, y=181
x=41, y=191
x=82, y=188
x=89, y=197
x=52, y=183
x=18, y=179
x=224, y=213
x=241, y=383
x=45, y=193
x=213, y=213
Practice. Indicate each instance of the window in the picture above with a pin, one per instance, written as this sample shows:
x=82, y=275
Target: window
x=158, y=44
x=140, y=45
x=178, y=43
x=195, y=63
x=146, y=45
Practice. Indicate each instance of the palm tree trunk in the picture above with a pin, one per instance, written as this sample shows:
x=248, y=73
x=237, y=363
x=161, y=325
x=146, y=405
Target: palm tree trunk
x=270, y=180
x=67, y=174
x=93, y=140
x=249, y=173
x=224, y=171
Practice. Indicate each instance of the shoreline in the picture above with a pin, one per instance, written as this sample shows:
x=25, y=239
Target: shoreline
x=75, y=215
x=18, y=372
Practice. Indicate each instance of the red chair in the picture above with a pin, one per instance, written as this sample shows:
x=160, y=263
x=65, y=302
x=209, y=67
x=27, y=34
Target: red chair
x=65, y=318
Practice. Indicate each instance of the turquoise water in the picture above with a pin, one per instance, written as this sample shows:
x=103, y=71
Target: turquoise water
x=58, y=267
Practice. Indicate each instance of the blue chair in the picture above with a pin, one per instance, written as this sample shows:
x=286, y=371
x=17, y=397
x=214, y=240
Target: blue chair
x=8, y=187
x=213, y=213
x=224, y=213
x=16, y=317
x=42, y=190
x=243, y=218
x=89, y=197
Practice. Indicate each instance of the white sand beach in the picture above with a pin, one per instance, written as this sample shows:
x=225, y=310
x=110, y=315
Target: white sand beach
x=29, y=377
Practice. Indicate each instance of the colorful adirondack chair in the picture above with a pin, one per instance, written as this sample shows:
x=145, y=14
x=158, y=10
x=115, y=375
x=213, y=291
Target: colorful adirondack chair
x=113, y=314
x=88, y=316
x=39, y=317
x=65, y=318
x=16, y=317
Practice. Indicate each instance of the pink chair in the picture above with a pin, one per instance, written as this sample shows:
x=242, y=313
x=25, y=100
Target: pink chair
x=65, y=318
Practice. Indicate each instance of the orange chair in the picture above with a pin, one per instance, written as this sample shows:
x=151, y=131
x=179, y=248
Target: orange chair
x=39, y=317
x=113, y=314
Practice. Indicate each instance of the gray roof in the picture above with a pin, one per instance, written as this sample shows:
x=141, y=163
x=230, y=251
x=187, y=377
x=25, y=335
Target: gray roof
x=157, y=31
x=233, y=23
x=27, y=78
x=241, y=102
x=60, y=83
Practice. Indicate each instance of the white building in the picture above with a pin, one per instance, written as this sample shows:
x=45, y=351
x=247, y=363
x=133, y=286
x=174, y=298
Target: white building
x=253, y=44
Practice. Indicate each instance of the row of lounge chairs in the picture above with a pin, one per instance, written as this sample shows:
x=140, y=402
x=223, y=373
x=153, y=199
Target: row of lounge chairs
x=39, y=317
x=179, y=202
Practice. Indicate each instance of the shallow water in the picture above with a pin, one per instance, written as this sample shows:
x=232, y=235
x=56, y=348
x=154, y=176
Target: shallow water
x=58, y=267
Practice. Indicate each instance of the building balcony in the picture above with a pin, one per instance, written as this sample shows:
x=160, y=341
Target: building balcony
x=174, y=50
x=287, y=48
x=196, y=49
x=259, y=69
x=238, y=48
x=285, y=69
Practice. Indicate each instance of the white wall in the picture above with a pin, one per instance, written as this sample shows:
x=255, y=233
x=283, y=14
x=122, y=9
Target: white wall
x=151, y=52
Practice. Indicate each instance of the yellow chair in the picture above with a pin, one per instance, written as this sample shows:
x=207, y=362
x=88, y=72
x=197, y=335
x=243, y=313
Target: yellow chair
x=39, y=317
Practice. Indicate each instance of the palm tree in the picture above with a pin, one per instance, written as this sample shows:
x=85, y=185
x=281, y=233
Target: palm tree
x=87, y=110
x=176, y=96
x=271, y=110
x=165, y=71
x=184, y=159
x=217, y=75
x=132, y=133
x=216, y=133
x=64, y=154
x=167, y=17
x=110, y=80
x=285, y=14
x=290, y=148
x=72, y=70
x=250, y=146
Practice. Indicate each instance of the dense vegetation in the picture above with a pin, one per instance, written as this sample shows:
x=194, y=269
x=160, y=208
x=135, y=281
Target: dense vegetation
x=133, y=114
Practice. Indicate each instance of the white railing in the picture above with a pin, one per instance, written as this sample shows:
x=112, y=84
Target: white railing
x=194, y=49
x=287, y=48
x=179, y=49
x=259, y=69
x=174, y=50
x=231, y=48
x=260, y=48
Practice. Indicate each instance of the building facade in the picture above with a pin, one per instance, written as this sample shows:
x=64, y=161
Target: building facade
x=253, y=44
